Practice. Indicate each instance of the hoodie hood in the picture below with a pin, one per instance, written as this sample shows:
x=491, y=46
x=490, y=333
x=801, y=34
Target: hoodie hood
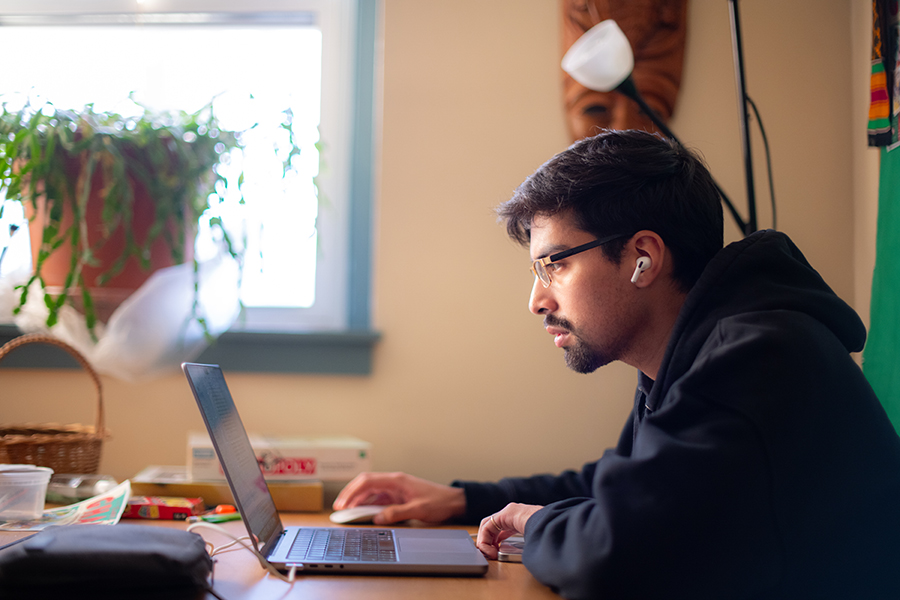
x=763, y=272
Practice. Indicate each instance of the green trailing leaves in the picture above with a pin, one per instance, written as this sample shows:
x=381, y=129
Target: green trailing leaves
x=59, y=156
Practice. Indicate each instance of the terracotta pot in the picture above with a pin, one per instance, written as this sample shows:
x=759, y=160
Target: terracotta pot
x=107, y=298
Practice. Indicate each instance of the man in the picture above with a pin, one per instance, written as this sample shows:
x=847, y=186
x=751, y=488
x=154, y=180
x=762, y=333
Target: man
x=756, y=463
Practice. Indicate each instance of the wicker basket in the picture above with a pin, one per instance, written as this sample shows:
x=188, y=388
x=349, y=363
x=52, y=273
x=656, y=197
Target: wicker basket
x=63, y=448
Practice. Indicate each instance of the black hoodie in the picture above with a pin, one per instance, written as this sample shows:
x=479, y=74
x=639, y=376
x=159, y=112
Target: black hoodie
x=759, y=464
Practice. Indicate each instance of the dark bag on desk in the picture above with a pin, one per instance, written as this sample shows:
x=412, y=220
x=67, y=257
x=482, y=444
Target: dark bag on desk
x=106, y=561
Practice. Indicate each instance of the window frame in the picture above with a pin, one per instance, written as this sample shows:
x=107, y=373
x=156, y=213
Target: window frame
x=348, y=349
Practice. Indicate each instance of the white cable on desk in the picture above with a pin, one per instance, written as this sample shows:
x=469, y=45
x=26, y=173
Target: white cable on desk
x=243, y=542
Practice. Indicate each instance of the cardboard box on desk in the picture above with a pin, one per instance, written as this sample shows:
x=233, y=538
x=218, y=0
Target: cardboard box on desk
x=323, y=458
x=289, y=496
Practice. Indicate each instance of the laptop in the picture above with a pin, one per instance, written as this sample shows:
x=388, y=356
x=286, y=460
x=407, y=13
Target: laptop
x=317, y=549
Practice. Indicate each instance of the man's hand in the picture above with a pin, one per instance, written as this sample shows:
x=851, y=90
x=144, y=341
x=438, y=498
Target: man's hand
x=405, y=497
x=499, y=526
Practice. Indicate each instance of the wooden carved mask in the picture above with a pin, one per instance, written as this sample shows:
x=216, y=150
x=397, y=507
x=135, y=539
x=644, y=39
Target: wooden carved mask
x=656, y=30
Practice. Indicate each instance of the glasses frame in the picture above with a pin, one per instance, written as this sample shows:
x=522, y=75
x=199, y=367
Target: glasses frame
x=538, y=267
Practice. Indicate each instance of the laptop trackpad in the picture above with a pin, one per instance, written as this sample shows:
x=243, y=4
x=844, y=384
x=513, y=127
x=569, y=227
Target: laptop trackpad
x=422, y=544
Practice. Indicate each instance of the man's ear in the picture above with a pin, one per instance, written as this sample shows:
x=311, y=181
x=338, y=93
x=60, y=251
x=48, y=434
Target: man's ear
x=646, y=255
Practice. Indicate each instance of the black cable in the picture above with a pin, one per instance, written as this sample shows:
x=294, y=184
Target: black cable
x=628, y=88
x=208, y=588
x=762, y=130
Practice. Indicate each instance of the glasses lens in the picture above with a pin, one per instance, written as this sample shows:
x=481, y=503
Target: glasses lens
x=537, y=267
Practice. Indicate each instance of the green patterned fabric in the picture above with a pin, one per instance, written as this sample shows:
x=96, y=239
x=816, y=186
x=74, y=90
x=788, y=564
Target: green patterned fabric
x=881, y=358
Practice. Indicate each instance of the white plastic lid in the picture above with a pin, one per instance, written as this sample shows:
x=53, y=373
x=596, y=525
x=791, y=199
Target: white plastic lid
x=18, y=473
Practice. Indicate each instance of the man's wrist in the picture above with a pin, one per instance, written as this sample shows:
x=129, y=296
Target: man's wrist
x=457, y=502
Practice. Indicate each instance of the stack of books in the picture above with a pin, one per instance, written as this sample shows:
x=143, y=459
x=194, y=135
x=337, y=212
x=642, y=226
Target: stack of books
x=294, y=468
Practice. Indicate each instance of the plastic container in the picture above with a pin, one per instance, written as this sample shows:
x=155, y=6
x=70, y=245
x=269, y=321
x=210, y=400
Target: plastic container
x=22, y=491
x=67, y=488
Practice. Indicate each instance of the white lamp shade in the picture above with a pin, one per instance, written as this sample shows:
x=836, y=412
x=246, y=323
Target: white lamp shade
x=600, y=59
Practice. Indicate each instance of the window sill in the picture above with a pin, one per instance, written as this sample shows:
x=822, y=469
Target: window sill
x=344, y=353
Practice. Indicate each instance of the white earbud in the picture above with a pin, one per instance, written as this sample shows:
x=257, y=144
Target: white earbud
x=643, y=263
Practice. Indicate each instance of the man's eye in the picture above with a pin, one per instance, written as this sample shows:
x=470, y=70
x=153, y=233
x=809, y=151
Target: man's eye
x=553, y=266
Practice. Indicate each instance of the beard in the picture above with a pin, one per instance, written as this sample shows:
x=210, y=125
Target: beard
x=581, y=357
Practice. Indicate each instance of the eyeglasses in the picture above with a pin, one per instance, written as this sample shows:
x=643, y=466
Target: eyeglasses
x=539, y=267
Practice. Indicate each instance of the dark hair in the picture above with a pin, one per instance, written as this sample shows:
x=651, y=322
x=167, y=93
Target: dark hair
x=620, y=182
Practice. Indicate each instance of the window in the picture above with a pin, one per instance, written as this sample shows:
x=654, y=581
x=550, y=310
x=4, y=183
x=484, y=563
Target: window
x=307, y=244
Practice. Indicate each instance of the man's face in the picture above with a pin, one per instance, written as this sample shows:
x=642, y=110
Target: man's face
x=587, y=307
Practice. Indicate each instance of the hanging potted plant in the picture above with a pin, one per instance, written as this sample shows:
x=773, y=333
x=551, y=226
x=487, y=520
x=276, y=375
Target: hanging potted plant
x=110, y=198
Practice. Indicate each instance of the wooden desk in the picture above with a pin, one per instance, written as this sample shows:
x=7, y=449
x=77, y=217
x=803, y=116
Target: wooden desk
x=239, y=576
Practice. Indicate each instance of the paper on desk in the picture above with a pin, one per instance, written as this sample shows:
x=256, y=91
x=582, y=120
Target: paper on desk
x=103, y=509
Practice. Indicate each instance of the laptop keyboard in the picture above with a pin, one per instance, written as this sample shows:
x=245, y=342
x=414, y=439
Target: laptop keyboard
x=343, y=545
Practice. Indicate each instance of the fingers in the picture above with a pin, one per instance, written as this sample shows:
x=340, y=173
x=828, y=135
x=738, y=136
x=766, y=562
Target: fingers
x=492, y=531
x=346, y=497
x=376, y=488
x=369, y=488
x=501, y=525
x=396, y=513
x=405, y=496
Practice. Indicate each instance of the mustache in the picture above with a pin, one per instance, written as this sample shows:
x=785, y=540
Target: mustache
x=561, y=323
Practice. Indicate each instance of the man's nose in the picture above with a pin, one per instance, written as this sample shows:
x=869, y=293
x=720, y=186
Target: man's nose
x=541, y=301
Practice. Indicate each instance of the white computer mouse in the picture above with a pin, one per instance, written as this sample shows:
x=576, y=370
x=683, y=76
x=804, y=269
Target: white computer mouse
x=357, y=514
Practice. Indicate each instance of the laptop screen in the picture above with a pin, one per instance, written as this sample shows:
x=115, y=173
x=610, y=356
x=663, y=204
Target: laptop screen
x=235, y=453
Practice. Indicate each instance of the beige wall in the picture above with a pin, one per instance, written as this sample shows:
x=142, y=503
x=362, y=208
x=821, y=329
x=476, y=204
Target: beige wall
x=466, y=383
